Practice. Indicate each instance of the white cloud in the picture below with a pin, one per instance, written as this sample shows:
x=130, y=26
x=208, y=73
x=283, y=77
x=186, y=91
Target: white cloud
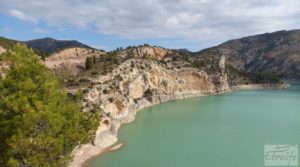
x=199, y=20
x=40, y=31
x=172, y=21
x=22, y=16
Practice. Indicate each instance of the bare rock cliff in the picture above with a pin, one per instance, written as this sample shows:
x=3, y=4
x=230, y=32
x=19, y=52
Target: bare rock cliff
x=144, y=76
x=136, y=84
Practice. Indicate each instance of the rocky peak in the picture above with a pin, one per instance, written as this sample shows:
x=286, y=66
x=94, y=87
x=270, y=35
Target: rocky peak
x=148, y=52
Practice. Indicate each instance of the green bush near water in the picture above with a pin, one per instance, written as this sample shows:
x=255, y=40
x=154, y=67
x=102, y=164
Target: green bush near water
x=40, y=125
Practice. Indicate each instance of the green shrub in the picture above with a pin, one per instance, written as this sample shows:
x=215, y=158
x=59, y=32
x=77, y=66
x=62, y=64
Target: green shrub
x=198, y=64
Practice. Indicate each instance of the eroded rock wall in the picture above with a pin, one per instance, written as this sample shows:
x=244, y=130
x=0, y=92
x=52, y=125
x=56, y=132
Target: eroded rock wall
x=136, y=84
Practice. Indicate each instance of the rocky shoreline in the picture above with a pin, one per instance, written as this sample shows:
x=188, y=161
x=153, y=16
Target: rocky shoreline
x=259, y=86
x=106, y=136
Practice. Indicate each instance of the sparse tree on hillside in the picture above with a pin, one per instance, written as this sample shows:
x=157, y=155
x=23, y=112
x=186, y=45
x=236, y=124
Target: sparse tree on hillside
x=89, y=63
x=94, y=60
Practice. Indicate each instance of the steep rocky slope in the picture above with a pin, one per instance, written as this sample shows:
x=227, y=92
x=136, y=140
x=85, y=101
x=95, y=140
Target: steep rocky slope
x=277, y=52
x=71, y=60
x=145, y=76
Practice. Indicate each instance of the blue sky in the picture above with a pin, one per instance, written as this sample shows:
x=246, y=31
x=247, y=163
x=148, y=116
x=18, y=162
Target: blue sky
x=107, y=24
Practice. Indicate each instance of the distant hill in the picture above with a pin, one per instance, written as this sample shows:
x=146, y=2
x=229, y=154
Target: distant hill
x=44, y=46
x=7, y=43
x=50, y=45
x=277, y=52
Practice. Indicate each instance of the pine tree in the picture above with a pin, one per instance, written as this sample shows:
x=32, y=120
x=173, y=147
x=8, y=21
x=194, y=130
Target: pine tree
x=40, y=126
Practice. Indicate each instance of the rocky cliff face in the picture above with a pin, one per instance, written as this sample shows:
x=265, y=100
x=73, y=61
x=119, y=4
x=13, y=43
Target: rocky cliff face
x=122, y=82
x=137, y=83
x=277, y=52
x=148, y=76
x=154, y=53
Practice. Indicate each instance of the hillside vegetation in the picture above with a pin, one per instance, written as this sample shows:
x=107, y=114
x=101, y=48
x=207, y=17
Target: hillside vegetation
x=7, y=43
x=40, y=125
x=277, y=52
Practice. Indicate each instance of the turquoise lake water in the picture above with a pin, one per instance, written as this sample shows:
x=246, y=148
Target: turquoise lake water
x=228, y=130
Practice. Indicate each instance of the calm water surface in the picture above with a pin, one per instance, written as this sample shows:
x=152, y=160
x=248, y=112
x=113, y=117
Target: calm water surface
x=228, y=130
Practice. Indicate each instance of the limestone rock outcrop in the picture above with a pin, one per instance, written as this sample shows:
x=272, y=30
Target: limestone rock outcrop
x=2, y=50
x=4, y=65
x=136, y=84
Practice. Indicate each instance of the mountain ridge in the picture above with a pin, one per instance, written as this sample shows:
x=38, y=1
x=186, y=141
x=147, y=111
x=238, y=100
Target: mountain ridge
x=44, y=46
x=277, y=52
x=51, y=45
